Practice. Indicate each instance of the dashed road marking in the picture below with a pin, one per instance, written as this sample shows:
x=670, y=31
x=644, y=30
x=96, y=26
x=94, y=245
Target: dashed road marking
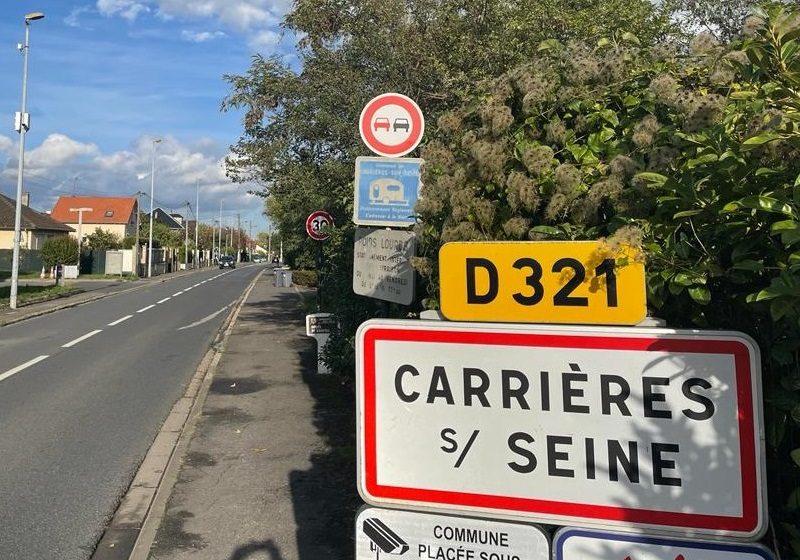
x=143, y=309
x=118, y=321
x=163, y=300
x=81, y=338
x=19, y=368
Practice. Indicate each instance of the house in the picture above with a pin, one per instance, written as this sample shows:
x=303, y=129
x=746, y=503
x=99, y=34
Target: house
x=36, y=227
x=114, y=214
x=172, y=221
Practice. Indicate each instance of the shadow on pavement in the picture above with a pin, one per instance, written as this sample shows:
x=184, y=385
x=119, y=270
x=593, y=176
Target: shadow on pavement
x=248, y=550
x=324, y=497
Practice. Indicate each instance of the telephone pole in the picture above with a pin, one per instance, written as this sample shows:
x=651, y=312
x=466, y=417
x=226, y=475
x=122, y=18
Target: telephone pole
x=186, y=238
x=238, y=236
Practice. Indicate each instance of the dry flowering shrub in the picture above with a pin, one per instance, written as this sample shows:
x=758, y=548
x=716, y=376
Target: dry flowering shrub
x=423, y=265
x=556, y=132
x=516, y=228
x=644, y=134
x=450, y=122
x=538, y=160
x=567, y=178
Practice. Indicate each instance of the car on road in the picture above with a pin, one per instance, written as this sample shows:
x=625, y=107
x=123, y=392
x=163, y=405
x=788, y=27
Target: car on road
x=226, y=261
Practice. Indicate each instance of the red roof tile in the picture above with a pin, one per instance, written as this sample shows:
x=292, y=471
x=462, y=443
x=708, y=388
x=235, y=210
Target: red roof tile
x=105, y=209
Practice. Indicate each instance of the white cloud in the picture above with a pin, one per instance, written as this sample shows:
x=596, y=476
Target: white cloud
x=73, y=19
x=241, y=14
x=128, y=9
x=264, y=40
x=64, y=166
x=58, y=150
x=201, y=36
x=6, y=144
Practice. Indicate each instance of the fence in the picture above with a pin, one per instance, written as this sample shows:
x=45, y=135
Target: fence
x=29, y=261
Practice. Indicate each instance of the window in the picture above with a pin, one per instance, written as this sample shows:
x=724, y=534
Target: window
x=109, y=213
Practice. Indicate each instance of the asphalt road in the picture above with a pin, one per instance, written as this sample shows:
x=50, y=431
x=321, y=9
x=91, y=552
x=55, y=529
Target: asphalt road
x=83, y=392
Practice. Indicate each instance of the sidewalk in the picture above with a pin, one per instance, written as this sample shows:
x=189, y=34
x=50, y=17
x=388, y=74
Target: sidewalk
x=265, y=468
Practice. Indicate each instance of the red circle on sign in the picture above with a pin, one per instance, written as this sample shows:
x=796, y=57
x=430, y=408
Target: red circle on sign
x=391, y=150
x=315, y=222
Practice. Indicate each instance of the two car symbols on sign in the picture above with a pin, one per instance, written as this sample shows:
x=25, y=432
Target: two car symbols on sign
x=400, y=123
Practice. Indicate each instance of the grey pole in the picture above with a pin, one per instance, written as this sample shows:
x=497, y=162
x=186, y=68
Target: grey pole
x=152, y=186
x=196, y=222
x=24, y=123
x=219, y=251
x=186, y=239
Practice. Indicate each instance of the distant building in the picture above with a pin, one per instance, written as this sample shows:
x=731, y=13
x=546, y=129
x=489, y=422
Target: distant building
x=172, y=221
x=35, y=227
x=113, y=214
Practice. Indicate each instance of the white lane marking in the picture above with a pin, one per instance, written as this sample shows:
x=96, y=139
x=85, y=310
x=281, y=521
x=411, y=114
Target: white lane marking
x=143, y=309
x=19, y=368
x=205, y=319
x=196, y=285
x=176, y=294
x=118, y=321
x=81, y=338
x=163, y=300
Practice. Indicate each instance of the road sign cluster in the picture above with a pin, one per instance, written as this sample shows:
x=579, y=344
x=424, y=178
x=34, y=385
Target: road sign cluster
x=641, y=443
x=539, y=399
x=386, y=190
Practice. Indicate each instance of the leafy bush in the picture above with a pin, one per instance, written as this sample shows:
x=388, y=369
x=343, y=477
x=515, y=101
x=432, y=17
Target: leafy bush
x=59, y=250
x=693, y=156
x=304, y=277
x=102, y=240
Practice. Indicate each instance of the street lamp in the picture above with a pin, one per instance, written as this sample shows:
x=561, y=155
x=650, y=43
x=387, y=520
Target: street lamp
x=156, y=141
x=80, y=212
x=22, y=122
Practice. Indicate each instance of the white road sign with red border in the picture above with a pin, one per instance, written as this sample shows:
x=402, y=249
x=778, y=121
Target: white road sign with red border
x=633, y=429
x=391, y=125
x=317, y=224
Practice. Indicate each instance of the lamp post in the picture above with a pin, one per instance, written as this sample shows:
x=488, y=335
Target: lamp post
x=22, y=125
x=80, y=212
x=196, y=223
x=156, y=141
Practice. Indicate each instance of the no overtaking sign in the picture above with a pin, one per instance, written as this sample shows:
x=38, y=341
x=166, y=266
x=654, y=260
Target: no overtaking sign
x=609, y=427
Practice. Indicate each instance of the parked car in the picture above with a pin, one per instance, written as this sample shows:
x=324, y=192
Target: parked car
x=227, y=261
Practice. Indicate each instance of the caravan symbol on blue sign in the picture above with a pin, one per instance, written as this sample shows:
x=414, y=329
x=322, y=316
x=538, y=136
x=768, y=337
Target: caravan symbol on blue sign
x=386, y=191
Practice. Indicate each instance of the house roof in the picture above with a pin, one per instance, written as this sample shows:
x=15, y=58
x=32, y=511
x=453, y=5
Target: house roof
x=31, y=219
x=104, y=209
x=166, y=219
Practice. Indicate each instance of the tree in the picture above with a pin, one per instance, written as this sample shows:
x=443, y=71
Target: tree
x=59, y=250
x=102, y=240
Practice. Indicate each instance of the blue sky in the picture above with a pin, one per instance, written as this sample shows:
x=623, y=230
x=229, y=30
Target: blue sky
x=106, y=77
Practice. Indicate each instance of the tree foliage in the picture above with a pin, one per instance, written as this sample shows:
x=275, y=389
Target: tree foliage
x=62, y=249
x=102, y=240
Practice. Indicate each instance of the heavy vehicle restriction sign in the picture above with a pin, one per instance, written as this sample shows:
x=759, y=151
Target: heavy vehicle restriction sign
x=634, y=429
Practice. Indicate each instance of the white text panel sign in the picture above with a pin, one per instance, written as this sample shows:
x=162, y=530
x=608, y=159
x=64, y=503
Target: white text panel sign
x=594, y=426
x=382, y=264
x=417, y=535
x=578, y=544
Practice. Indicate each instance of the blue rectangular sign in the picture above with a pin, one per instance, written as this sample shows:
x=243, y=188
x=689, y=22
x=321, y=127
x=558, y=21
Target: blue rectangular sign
x=582, y=544
x=386, y=191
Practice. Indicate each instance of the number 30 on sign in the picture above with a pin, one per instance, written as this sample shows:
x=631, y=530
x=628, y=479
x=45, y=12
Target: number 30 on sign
x=582, y=282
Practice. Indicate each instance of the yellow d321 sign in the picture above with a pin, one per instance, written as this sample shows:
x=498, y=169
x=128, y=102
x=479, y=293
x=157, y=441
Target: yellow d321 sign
x=583, y=282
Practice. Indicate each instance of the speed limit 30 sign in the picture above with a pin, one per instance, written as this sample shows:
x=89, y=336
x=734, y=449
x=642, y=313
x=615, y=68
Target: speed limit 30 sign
x=317, y=225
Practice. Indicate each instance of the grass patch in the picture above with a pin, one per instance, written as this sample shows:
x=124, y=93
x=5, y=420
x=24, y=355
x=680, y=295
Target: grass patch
x=6, y=274
x=27, y=295
x=124, y=278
